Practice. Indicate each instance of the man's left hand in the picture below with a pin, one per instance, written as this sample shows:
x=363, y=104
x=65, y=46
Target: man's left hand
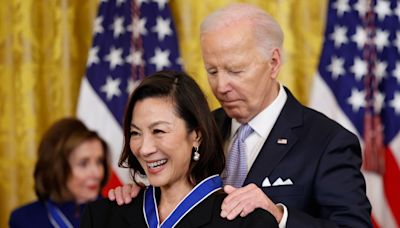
x=244, y=200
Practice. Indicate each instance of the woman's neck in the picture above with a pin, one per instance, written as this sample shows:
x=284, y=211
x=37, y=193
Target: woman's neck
x=170, y=197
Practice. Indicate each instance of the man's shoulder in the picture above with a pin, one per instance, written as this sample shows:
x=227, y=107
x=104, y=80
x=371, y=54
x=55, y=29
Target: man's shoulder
x=317, y=118
x=313, y=121
x=314, y=117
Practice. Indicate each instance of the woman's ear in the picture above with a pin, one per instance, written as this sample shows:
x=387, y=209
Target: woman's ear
x=197, y=138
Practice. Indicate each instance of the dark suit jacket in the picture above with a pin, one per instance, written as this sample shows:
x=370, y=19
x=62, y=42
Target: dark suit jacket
x=35, y=215
x=105, y=213
x=323, y=161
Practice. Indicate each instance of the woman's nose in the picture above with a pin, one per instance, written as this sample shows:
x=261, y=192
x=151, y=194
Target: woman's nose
x=147, y=146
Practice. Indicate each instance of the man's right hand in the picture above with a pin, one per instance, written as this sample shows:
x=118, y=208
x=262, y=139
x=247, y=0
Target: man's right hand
x=124, y=194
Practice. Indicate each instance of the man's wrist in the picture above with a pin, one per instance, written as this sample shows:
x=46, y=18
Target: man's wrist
x=283, y=219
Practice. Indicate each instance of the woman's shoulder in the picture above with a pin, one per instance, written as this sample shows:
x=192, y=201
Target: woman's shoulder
x=30, y=208
x=105, y=206
x=258, y=218
x=106, y=213
x=31, y=213
x=219, y=196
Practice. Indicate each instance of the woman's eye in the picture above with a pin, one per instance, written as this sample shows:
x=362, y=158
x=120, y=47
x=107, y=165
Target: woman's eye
x=83, y=163
x=158, y=131
x=134, y=133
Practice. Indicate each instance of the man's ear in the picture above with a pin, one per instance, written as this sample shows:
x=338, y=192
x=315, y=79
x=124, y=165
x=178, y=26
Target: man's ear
x=275, y=62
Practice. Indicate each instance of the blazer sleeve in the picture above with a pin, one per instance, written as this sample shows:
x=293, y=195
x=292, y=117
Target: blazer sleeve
x=97, y=214
x=339, y=189
x=87, y=217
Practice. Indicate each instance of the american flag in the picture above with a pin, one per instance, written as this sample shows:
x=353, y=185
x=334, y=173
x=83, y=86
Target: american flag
x=131, y=39
x=358, y=84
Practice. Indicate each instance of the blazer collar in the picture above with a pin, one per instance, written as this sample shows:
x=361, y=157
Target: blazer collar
x=280, y=140
x=272, y=152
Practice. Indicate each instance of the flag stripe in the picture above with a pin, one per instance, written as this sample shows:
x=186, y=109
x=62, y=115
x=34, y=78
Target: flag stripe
x=392, y=184
x=360, y=71
x=323, y=99
x=96, y=116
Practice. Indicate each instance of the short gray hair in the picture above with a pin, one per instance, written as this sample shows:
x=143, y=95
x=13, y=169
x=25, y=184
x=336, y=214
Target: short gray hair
x=268, y=32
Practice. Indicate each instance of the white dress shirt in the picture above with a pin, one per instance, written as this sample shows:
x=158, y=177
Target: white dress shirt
x=262, y=125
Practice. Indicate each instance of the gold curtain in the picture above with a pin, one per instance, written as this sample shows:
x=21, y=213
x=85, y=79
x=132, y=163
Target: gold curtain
x=43, y=51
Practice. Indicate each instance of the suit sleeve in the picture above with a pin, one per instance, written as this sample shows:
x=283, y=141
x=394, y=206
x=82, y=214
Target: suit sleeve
x=339, y=188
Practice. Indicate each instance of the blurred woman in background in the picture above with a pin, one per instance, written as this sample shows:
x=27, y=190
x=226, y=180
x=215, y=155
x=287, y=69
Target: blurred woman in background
x=71, y=169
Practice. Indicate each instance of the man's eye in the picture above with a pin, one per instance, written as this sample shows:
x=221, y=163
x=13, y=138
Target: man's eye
x=212, y=72
x=235, y=71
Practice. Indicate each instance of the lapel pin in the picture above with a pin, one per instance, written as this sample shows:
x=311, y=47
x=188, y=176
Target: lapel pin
x=282, y=141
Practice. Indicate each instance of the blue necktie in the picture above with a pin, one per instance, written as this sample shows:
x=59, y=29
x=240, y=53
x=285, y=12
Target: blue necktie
x=236, y=166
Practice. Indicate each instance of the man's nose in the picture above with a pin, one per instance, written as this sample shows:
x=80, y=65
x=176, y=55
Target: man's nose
x=223, y=83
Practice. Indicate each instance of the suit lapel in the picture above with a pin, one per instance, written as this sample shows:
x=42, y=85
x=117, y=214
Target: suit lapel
x=279, y=142
x=272, y=152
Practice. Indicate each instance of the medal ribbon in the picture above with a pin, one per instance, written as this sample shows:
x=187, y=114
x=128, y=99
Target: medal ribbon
x=57, y=218
x=196, y=196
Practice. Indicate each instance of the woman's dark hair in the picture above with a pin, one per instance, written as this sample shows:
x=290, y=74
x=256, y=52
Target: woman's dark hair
x=191, y=106
x=52, y=168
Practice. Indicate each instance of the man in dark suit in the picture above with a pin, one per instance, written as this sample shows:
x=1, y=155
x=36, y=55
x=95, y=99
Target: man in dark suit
x=302, y=167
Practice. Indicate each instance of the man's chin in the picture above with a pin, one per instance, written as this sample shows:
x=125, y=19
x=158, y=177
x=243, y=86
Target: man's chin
x=236, y=114
x=232, y=113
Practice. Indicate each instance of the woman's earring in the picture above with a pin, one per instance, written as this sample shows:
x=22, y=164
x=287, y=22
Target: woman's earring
x=196, y=154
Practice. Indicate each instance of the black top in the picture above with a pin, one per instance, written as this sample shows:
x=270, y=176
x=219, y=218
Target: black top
x=105, y=213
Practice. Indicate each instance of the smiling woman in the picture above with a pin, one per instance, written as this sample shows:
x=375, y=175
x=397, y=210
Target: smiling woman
x=171, y=138
x=72, y=168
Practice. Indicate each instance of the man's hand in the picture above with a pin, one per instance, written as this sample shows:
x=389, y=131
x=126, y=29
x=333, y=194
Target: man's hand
x=242, y=201
x=124, y=194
